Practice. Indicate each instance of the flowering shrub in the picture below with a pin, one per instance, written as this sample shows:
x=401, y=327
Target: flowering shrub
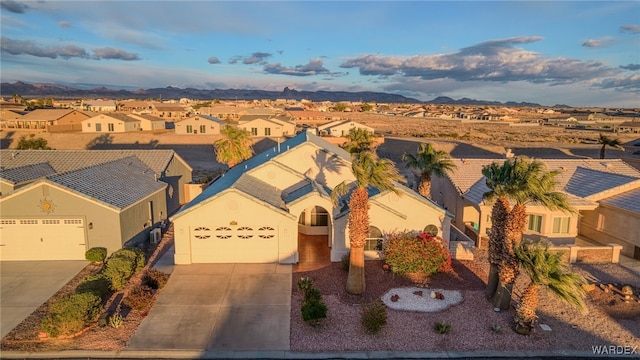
x=409, y=252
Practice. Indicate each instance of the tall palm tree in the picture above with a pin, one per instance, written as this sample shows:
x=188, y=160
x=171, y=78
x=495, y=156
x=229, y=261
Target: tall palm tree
x=369, y=172
x=606, y=141
x=522, y=181
x=234, y=147
x=359, y=140
x=428, y=162
x=544, y=268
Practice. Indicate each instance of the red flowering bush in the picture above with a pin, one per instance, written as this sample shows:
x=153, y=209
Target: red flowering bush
x=408, y=252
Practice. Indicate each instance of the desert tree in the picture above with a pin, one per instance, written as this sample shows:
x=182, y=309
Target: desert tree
x=359, y=140
x=369, y=172
x=606, y=141
x=234, y=146
x=428, y=162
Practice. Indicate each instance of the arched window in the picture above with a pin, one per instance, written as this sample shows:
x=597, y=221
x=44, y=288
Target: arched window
x=374, y=240
x=319, y=216
x=431, y=230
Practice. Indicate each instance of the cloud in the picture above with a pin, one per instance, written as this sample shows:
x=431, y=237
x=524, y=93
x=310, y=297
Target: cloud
x=314, y=67
x=632, y=67
x=631, y=82
x=114, y=54
x=494, y=60
x=64, y=24
x=256, y=58
x=14, y=6
x=634, y=29
x=213, y=60
x=23, y=47
x=598, y=43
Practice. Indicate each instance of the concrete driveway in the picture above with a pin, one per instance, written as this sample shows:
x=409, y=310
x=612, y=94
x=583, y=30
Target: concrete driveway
x=220, y=307
x=28, y=284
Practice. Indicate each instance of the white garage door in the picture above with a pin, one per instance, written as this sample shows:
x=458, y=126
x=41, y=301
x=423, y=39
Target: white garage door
x=42, y=239
x=231, y=244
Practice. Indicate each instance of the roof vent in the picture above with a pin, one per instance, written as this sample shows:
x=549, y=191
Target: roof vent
x=608, y=166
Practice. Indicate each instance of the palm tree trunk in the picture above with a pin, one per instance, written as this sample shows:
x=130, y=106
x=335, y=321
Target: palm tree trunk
x=499, y=218
x=602, y=151
x=425, y=185
x=526, y=311
x=358, y=232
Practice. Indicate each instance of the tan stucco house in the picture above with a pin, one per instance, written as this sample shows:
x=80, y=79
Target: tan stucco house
x=199, y=125
x=263, y=126
x=56, y=204
x=50, y=119
x=258, y=211
x=108, y=123
x=601, y=190
x=149, y=122
x=341, y=128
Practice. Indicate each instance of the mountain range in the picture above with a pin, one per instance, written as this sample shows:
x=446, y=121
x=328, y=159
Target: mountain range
x=58, y=91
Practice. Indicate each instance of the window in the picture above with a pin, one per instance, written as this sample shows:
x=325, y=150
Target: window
x=189, y=129
x=374, y=241
x=223, y=232
x=535, y=223
x=110, y=126
x=88, y=124
x=28, y=222
x=254, y=131
x=267, y=131
x=72, y=222
x=319, y=217
x=266, y=232
x=561, y=225
x=98, y=127
x=245, y=232
x=203, y=129
x=600, y=222
x=202, y=233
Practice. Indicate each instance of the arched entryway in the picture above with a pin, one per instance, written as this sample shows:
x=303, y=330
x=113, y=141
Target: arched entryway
x=314, y=239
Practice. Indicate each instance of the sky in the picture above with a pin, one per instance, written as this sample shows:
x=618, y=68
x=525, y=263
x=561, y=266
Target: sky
x=578, y=53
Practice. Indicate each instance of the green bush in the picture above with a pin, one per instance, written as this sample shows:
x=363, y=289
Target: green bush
x=118, y=270
x=96, y=254
x=407, y=252
x=136, y=256
x=313, y=311
x=71, y=314
x=442, y=327
x=373, y=316
x=155, y=279
x=139, y=298
x=304, y=285
x=116, y=320
x=97, y=284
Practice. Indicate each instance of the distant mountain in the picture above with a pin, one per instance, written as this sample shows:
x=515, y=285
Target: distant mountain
x=170, y=92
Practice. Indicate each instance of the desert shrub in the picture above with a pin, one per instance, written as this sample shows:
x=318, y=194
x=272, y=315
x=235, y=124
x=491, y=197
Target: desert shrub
x=313, y=311
x=406, y=252
x=134, y=254
x=345, y=262
x=304, y=284
x=71, y=314
x=118, y=270
x=139, y=298
x=155, y=279
x=97, y=284
x=373, y=316
x=442, y=327
x=96, y=254
x=116, y=320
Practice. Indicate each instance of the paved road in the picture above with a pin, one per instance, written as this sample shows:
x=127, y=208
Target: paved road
x=211, y=307
x=28, y=284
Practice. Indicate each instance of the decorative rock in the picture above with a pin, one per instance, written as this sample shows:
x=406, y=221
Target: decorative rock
x=545, y=327
x=588, y=287
x=418, y=293
x=395, y=298
x=433, y=294
x=627, y=290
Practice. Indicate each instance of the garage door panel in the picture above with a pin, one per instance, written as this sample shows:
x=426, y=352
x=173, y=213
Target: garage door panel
x=42, y=239
x=227, y=244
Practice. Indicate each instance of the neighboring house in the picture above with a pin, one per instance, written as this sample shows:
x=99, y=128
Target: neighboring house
x=257, y=112
x=61, y=216
x=341, y=128
x=150, y=122
x=100, y=105
x=263, y=126
x=260, y=210
x=21, y=167
x=50, y=119
x=629, y=127
x=108, y=123
x=199, y=125
x=169, y=111
x=593, y=187
x=221, y=112
x=136, y=106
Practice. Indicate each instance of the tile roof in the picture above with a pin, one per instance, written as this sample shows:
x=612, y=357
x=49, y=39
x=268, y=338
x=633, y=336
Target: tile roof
x=118, y=183
x=260, y=190
x=69, y=160
x=579, y=177
x=46, y=114
x=28, y=172
x=629, y=200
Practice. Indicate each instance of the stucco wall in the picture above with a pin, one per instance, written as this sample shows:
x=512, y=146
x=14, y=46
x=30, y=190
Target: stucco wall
x=317, y=165
x=607, y=225
x=136, y=221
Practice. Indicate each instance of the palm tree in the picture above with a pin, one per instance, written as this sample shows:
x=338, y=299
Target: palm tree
x=605, y=141
x=359, y=140
x=428, y=162
x=234, y=147
x=522, y=181
x=544, y=268
x=370, y=172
